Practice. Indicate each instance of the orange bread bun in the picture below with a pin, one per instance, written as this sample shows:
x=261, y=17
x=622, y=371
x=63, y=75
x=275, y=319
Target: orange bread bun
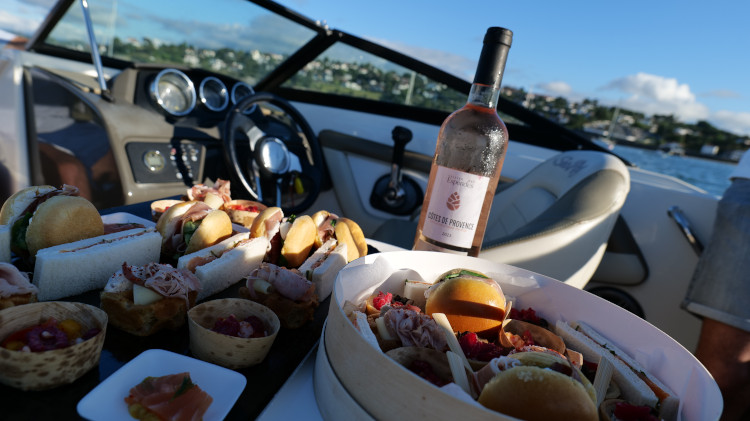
x=471, y=301
x=63, y=219
x=532, y=391
x=299, y=241
x=215, y=227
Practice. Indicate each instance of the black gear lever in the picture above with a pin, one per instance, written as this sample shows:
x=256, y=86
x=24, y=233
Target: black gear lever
x=396, y=193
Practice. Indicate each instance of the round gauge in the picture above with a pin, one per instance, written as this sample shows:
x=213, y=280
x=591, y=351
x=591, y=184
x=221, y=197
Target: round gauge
x=213, y=94
x=174, y=92
x=154, y=160
x=240, y=91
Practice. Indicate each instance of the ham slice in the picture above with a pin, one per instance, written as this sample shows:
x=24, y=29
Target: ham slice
x=221, y=188
x=415, y=329
x=14, y=282
x=287, y=282
x=164, y=279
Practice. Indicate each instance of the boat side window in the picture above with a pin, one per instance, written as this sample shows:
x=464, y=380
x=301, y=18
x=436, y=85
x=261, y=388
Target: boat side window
x=349, y=71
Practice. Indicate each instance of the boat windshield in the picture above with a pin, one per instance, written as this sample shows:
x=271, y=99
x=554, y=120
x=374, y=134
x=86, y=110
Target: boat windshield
x=245, y=41
x=236, y=38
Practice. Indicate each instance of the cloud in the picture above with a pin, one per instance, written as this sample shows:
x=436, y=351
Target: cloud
x=19, y=24
x=455, y=64
x=721, y=93
x=653, y=94
x=734, y=122
x=558, y=88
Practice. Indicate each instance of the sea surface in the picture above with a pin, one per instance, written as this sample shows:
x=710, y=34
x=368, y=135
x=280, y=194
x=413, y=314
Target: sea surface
x=707, y=174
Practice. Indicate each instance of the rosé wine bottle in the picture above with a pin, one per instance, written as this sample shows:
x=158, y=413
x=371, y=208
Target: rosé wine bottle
x=468, y=158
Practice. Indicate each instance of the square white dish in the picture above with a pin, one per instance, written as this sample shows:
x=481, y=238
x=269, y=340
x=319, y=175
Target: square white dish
x=106, y=402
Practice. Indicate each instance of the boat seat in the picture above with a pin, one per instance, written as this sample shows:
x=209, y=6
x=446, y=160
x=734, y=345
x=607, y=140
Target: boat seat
x=555, y=220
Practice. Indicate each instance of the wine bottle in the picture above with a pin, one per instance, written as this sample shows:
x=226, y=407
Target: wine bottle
x=469, y=156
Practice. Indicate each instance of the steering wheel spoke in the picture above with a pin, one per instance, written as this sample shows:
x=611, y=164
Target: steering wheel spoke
x=284, y=160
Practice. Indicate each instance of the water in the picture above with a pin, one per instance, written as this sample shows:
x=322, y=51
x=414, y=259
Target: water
x=709, y=175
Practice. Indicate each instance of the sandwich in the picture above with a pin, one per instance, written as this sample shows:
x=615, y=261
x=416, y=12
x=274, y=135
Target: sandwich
x=44, y=216
x=636, y=385
x=15, y=287
x=290, y=239
x=85, y=265
x=191, y=226
x=214, y=196
x=537, y=386
x=225, y=263
x=344, y=230
x=322, y=267
x=5, y=254
x=285, y=291
x=243, y=212
x=143, y=300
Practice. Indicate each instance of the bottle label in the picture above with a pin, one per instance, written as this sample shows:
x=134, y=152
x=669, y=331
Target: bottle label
x=454, y=208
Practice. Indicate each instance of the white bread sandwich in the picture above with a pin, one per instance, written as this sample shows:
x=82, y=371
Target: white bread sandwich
x=322, y=267
x=637, y=386
x=5, y=243
x=226, y=263
x=85, y=265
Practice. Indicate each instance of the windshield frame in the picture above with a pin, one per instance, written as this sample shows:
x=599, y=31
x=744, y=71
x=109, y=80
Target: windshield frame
x=533, y=128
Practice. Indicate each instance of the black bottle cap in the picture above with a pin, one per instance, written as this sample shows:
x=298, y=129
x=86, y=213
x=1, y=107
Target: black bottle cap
x=494, y=55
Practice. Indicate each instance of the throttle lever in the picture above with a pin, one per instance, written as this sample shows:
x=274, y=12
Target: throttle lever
x=401, y=136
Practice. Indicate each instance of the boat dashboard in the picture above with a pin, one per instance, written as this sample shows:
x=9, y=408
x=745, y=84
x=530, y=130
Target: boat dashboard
x=151, y=133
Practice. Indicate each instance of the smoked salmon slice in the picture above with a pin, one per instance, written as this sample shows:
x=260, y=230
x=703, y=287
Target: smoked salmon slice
x=173, y=397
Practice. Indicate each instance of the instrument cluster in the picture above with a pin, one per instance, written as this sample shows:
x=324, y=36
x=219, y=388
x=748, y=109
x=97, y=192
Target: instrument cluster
x=178, y=95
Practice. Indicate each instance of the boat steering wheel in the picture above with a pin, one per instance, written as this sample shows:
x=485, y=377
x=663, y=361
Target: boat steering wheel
x=273, y=152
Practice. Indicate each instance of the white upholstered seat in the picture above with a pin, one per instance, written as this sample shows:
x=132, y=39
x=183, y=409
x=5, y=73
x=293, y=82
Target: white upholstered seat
x=555, y=220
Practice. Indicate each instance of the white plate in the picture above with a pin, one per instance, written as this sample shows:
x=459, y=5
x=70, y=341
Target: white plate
x=107, y=400
x=124, y=217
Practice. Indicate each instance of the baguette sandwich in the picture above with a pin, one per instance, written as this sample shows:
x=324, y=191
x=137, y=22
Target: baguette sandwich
x=290, y=239
x=322, y=267
x=44, y=216
x=226, y=263
x=344, y=230
x=636, y=385
x=85, y=265
x=143, y=300
x=191, y=226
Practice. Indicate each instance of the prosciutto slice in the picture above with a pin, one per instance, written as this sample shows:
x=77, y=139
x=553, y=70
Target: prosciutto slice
x=287, y=282
x=14, y=282
x=164, y=279
x=415, y=329
x=221, y=188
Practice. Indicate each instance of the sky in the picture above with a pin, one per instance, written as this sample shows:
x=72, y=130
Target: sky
x=689, y=58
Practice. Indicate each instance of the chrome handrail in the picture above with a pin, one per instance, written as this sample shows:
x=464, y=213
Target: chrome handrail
x=682, y=222
x=95, y=57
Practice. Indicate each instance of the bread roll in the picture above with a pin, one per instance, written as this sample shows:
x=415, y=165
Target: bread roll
x=299, y=241
x=19, y=201
x=471, y=303
x=63, y=219
x=215, y=227
x=532, y=391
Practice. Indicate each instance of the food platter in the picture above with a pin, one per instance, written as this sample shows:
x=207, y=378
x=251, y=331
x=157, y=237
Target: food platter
x=262, y=380
x=383, y=389
x=106, y=401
